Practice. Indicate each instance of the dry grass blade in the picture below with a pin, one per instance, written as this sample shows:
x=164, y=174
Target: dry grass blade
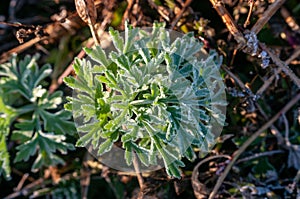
x=87, y=11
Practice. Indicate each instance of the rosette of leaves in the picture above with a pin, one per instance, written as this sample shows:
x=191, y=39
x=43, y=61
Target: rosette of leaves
x=30, y=115
x=150, y=95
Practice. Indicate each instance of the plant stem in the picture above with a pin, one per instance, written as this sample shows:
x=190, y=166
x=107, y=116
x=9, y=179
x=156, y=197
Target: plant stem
x=136, y=166
x=94, y=34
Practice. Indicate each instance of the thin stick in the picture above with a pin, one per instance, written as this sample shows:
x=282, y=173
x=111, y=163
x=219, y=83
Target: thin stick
x=266, y=16
x=293, y=56
x=229, y=22
x=269, y=81
x=258, y=155
x=274, y=130
x=95, y=34
x=238, y=152
x=164, y=13
x=238, y=81
x=247, y=22
x=179, y=15
x=55, y=84
x=126, y=13
x=136, y=166
x=282, y=65
x=21, y=48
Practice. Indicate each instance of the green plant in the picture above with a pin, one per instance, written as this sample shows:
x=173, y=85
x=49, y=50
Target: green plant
x=28, y=113
x=152, y=95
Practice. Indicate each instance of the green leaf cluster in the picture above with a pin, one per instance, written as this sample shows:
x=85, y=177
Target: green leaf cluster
x=28, y=113
x=150, y=95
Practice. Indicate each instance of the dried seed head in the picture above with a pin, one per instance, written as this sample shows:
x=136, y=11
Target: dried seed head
x=87, y=11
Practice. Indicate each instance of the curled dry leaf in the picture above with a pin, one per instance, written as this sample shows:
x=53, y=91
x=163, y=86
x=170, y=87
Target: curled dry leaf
x=201, y=191
x=87, y=11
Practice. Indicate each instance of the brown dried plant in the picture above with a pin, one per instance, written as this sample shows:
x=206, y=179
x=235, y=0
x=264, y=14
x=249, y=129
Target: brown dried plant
x=87, y=11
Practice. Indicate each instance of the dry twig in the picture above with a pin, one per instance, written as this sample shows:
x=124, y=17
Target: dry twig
x=138, y=172
x=269, y=81
x=282, y=66
x=179, y=15
x=238, y=152
x=161, y=10
x=229, y=22
x=267, y=15
x=126, y=13
x=5, y=56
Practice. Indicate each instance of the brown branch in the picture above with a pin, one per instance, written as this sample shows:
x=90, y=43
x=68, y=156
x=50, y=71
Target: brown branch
x=136, y=166
x=269, y=81
x=56, y=83
x=295, y=55
x=5, y=56
x=282, y=65
x=100, y=30
x=236, y=79
x=274, y=130
x=238, y=152
x=53, y=31
x=179, y=15
x=258, y=155
x=266, y=16
x=161, y=10
x=28, y=188
x=229, y=22
x=126, y=13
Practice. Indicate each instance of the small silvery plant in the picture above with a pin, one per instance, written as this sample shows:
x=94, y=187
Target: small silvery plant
x=31, y=116
x=155, y=96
